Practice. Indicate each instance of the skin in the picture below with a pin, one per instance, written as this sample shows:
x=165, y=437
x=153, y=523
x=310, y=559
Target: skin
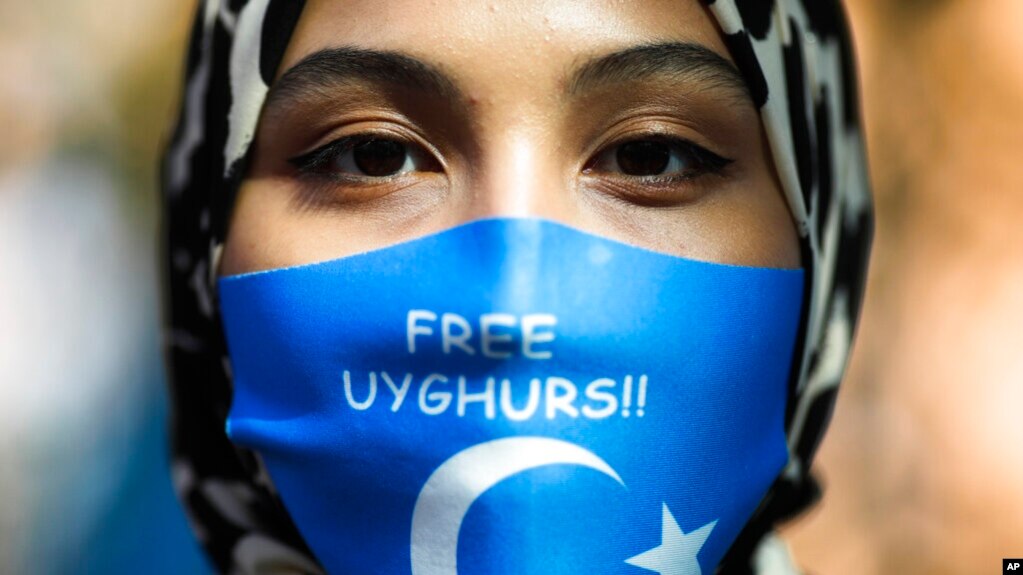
x=514, y=137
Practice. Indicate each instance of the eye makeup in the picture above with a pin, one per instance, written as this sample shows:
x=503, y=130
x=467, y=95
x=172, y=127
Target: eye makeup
x=365, y=156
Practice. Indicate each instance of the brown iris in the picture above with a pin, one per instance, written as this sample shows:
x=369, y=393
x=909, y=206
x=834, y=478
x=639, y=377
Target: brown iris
x=379, y=158
x=644, y=158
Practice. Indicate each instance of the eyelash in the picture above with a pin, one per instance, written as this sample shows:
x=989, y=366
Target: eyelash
x=317, y=163
x=705, y=161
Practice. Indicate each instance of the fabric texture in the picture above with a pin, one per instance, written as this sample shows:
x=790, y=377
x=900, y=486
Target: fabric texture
x=797, y=58
x=394, y=445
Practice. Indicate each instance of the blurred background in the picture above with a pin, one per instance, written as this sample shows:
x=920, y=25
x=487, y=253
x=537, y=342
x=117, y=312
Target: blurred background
x=923, y=465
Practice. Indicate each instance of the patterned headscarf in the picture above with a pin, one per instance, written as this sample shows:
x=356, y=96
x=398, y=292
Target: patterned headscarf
x=797, y=59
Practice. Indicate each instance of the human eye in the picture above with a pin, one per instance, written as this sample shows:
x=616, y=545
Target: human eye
x=366, y=158
x=657, y=159
x=655, y=170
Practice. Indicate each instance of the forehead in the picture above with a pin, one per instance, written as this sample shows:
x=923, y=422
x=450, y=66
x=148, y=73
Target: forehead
x=503, y=37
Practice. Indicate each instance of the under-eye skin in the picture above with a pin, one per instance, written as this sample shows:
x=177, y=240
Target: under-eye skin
x=365, y=159
x=654, y=170
x=376, y=171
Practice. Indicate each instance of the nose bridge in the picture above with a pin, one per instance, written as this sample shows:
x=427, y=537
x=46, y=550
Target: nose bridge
x=519, y=177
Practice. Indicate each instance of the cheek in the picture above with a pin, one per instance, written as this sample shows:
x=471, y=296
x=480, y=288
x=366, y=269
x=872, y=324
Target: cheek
x=753, y=224
x=273, y=227
x=259, y=236
x=242, y=248
x=745, y=224
x=758, y=231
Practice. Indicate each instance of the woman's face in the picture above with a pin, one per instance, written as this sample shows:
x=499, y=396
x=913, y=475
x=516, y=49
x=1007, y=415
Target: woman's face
x=392, y=120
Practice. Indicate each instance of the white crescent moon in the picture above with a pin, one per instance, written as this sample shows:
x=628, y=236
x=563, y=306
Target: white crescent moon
x=459, y=481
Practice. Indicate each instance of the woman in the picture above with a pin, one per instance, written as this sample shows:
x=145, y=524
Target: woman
x=514, y=287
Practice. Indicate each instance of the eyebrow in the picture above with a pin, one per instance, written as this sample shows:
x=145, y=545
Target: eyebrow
x=680, y=60
x=322, y=71
x=315, y=75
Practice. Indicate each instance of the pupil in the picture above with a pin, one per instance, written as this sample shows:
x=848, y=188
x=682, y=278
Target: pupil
x=643, y=158
x=379, y=157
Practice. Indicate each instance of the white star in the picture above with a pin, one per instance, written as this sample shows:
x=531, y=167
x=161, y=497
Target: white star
x=677, y=553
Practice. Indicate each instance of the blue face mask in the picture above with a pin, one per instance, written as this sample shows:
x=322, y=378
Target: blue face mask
x=514, y=396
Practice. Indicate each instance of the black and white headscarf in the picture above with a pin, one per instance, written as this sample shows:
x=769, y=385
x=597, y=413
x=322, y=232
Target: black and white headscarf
x=796, y=57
